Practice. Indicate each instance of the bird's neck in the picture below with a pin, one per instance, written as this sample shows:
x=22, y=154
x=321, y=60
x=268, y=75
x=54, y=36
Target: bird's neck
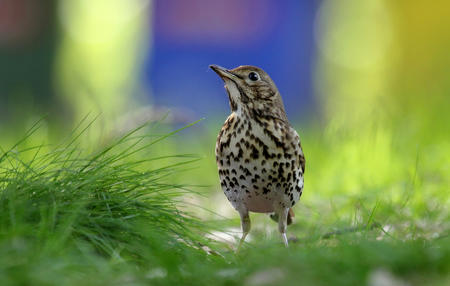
x=260, y=116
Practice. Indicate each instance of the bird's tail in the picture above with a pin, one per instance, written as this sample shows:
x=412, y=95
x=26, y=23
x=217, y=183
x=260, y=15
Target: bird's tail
x=290, y=216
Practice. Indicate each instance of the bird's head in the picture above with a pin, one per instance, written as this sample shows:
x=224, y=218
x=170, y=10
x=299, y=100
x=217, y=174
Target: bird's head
x=251, y=90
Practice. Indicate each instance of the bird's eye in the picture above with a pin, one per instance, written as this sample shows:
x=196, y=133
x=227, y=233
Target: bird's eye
x=253, y=76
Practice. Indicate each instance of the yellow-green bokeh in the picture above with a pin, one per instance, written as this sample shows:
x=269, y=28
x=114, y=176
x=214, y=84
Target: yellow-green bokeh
x=101, y=55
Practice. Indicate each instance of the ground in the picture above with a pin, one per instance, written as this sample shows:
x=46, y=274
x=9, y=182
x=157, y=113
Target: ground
x=374, y=212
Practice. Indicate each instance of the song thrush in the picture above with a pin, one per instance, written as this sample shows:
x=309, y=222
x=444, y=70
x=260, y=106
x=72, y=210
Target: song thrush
x=258, y=153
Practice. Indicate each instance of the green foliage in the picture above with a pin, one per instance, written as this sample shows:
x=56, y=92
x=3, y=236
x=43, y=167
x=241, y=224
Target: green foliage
x=63, y=209
x=117, y=214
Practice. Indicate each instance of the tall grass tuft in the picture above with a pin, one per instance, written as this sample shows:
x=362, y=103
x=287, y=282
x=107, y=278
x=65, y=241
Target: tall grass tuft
x=63, y=208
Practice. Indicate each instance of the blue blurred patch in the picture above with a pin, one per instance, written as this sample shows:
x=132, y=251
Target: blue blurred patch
x=190, y=35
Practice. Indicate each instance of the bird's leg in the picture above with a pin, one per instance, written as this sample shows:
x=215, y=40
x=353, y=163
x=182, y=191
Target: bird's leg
x=245, y=222
x=282, y=224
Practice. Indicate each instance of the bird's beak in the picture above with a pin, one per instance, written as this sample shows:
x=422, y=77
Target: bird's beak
x=224, y=73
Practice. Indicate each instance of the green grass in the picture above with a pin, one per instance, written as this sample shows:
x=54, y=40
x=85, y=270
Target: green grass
x=78, y=214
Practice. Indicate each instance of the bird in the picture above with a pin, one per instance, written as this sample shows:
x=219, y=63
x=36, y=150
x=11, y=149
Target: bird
x=259, y=156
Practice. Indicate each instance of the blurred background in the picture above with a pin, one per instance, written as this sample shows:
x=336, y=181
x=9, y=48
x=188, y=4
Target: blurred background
x=366, y=83
x=138, y=58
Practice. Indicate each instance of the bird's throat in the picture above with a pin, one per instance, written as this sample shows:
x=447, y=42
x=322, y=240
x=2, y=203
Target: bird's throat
x=236, y=95
x=233, y=94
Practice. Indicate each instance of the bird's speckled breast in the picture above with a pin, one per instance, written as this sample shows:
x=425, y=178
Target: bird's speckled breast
x=260, y=163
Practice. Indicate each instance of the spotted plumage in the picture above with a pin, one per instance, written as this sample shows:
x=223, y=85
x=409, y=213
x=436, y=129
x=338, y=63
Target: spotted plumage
x=258, y=153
